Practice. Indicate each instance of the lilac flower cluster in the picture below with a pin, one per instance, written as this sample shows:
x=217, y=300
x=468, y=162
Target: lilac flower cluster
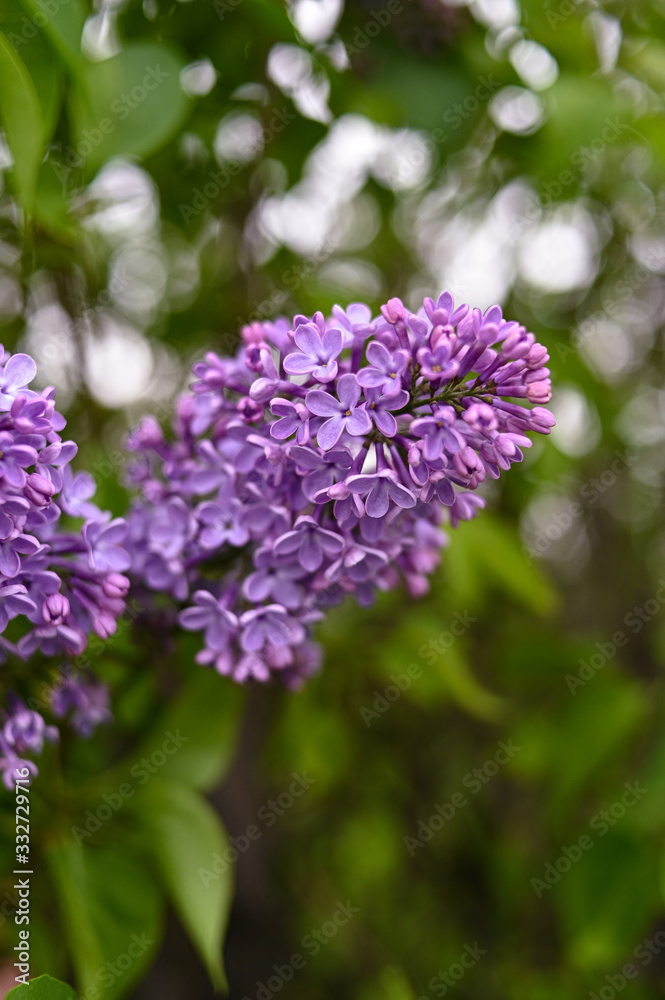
x=58, y=583
x=319, y=462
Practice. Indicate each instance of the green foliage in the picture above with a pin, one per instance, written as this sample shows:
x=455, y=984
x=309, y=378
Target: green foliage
x=187, y=837
x=128, y=105
x=43, y=988
x=22, y=119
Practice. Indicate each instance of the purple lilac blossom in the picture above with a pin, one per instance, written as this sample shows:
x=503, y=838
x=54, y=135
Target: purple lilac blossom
x=322, y=461
x=59, y=582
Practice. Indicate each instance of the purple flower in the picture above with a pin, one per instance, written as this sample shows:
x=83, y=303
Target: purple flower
x=344, y=413
x=273, y=578
x=379, y=406
x=14, y=459
x=309, y=542
x=319, y=472
x=385, y=369
x=88, y=698
x=293, y=419
x=104, y=542
x=14, y=600
x=77, y=493
x=319, y=354
x=270, y=624
x=265, y=388
x=439, y=433
x=210, y=615
x=356, y=318
x=16, y=375
x=379, y=489
x=436, y=364
x=222, y=522
x=25, y=729
x=11, y=552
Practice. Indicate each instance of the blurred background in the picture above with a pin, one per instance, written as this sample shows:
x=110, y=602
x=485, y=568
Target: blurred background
x=477, y=779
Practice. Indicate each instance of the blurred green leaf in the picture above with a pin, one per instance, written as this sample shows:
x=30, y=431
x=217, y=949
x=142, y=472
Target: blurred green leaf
x=111, y=908
x=187, y=836
x=63, y=23
x=42, y=988
x=207, y=715
x=129, y=104
x=22, y=119
x=607, y=900
x=495, y=552
x=46, y=73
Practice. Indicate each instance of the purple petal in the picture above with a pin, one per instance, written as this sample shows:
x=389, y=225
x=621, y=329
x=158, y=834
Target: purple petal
x=378, y=356
x=325, y=372
x=358, y=423
x=377, y=502
x=399, y=494
x=333, y=341
x=19, y=371
x=322, y=403
x=257, y=586
x=308, y=340
x=298, y=364
x=395, y=402
x=311, y=554
x=284, y=427
x=371, y=378
x=194, y=619
x=348, y=391
x=329, y=432
x=360, y=484
x=385, y=422
x=10, y=563
x=288, y=543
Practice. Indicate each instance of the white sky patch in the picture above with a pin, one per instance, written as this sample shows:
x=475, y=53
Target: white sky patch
x=517, y=110
x=642, y=420
x=536, y=66
x=608, y=36
x=608, y=350
x=560, y=253
x=119, y=364
x=239, y=138
x=315, y=20
x=198, y=78
x=578, y=429
x=50, y=342
x=496, y=13
x=125, y=201
x=471, y=252
x=315, y=209
x=291, y=68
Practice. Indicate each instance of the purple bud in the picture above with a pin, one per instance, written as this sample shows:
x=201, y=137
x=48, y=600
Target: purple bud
x=393, y=310
x=55, y=609
x=104, y=624
x=115, y=585
x=39, y=490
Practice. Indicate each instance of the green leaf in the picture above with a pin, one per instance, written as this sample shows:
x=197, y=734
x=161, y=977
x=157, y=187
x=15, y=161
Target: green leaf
x=111, y=908
x=43, y=988
x=22, y=119
x=207, y=715
x=46, y=72
x=63, y=26
x=130, y=104
x=608, y=898
x=494, y=550
x=185, y=834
